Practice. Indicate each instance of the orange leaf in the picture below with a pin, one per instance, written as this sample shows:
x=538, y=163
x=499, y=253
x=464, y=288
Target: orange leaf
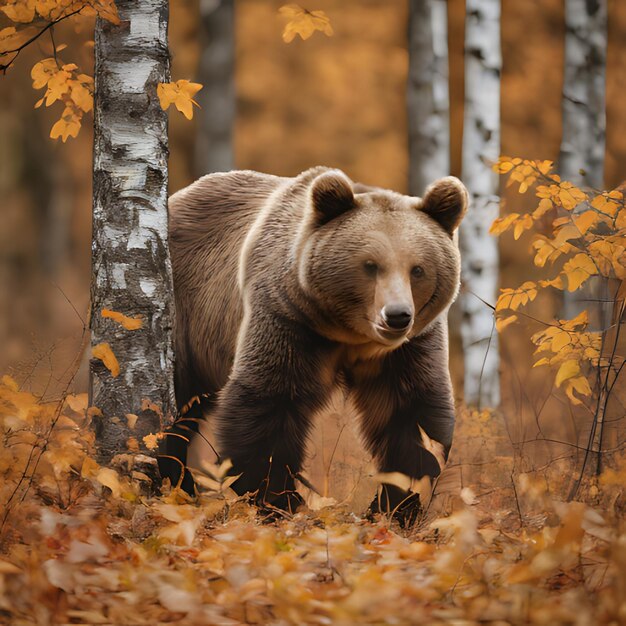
x=129, y=323
x=503, y=322
x=22, y=11
x=103, y=352
x=180, y=94
x=303, y=22
x=42, y=72
x=578, y=270
x=503, y=223
x=67, y=126
x=585, y=221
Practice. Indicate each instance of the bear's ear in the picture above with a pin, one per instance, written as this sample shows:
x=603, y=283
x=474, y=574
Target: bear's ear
x=331, y=195
x=446, y=202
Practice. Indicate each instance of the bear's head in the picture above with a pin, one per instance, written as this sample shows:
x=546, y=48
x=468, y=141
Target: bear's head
x=379, y=266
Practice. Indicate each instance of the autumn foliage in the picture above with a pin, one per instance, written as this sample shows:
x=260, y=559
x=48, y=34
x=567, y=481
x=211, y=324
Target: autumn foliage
x=81, y=543
x=581, y=234
x=63, y=81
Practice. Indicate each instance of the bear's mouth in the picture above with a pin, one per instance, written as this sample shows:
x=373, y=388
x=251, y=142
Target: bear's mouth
x=391, y=335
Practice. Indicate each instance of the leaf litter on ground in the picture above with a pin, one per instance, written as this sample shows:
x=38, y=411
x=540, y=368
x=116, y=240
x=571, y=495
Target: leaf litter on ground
x=81, y=543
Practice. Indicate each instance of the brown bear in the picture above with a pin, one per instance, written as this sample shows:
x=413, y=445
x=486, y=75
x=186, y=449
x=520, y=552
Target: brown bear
x=288, y=287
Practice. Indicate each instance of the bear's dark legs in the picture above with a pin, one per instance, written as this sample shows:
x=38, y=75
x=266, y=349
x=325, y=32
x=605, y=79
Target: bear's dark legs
x=403, y=449
x=408, y=418
x=265, y=438
x=264, y=411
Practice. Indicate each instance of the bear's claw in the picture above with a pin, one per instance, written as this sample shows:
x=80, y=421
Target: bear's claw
x=403, y=506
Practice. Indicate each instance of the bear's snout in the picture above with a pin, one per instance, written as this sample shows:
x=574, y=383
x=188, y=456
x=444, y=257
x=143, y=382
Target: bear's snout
x=397, y=316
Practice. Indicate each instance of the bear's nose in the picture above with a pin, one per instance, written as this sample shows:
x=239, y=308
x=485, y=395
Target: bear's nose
x=397, y=316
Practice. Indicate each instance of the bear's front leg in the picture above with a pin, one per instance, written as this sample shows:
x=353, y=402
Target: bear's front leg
x=264, y=411
x=407, y=420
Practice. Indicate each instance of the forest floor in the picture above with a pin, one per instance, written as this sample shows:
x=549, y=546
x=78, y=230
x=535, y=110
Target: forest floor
x=84, y=544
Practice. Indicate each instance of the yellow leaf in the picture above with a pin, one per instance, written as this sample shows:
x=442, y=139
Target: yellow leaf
x=557, y=282
x=89, y=467
x=180, y=94
x=608, y=203
x=503, y=165
x=570, y=196
x=58, y=86
x=524, y=223
x=544, y=166
x=303, y=22
x=151, y=441
x=78, y=403
x=81, y=96
x=22, y=11
x=561, y=340
x=578, y=270
x=42, y=72
x=585, y=221
x=514, y=298
x=608, y=256
x=581, y=320
x=67, y=126
x=568, y=369
x=548, y=192
x=109, y=478
x=11, y=38
x=503, y=322
x=131, y=418
x=503, y=223
x=564, y=234
x=129, y=323
x=545, y=204
x=579, y=384
x=107, y=10
x=48, y=9
x=103, y=352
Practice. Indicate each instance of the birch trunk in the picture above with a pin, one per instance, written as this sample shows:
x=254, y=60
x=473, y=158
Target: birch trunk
x=481, y=147
x=428, y=105
x=214, y=143
x=581, y=159
x=584, y=123
x=131, y=264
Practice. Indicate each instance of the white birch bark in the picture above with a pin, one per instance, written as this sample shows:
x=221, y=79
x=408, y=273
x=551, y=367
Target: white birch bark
x=479, y=251
x=131, y=264
x=214, y=142
x=581, y=158
x=428, y=105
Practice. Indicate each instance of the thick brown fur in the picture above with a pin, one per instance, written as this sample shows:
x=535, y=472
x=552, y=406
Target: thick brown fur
x=286, y=288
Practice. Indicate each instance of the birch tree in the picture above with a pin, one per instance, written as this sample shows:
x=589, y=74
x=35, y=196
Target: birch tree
x=131, y=372
x=581, y=158
x=214, y=143
x=428, y=105
x=481, y=147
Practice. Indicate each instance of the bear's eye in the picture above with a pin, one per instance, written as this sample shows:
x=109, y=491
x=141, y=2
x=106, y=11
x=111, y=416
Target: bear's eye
x=370, y=268
x=417, y=271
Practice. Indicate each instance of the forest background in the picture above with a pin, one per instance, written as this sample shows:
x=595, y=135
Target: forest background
x=338, y=101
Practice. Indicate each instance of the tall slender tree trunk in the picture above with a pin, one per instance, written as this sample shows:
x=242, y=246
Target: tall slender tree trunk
x=481, y=147
x=214, y=143
x=131, y=265
x=428, y=104
x=581, y=159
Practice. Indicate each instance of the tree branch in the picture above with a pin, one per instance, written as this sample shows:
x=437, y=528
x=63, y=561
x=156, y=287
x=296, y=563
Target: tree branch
x=16, y=51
